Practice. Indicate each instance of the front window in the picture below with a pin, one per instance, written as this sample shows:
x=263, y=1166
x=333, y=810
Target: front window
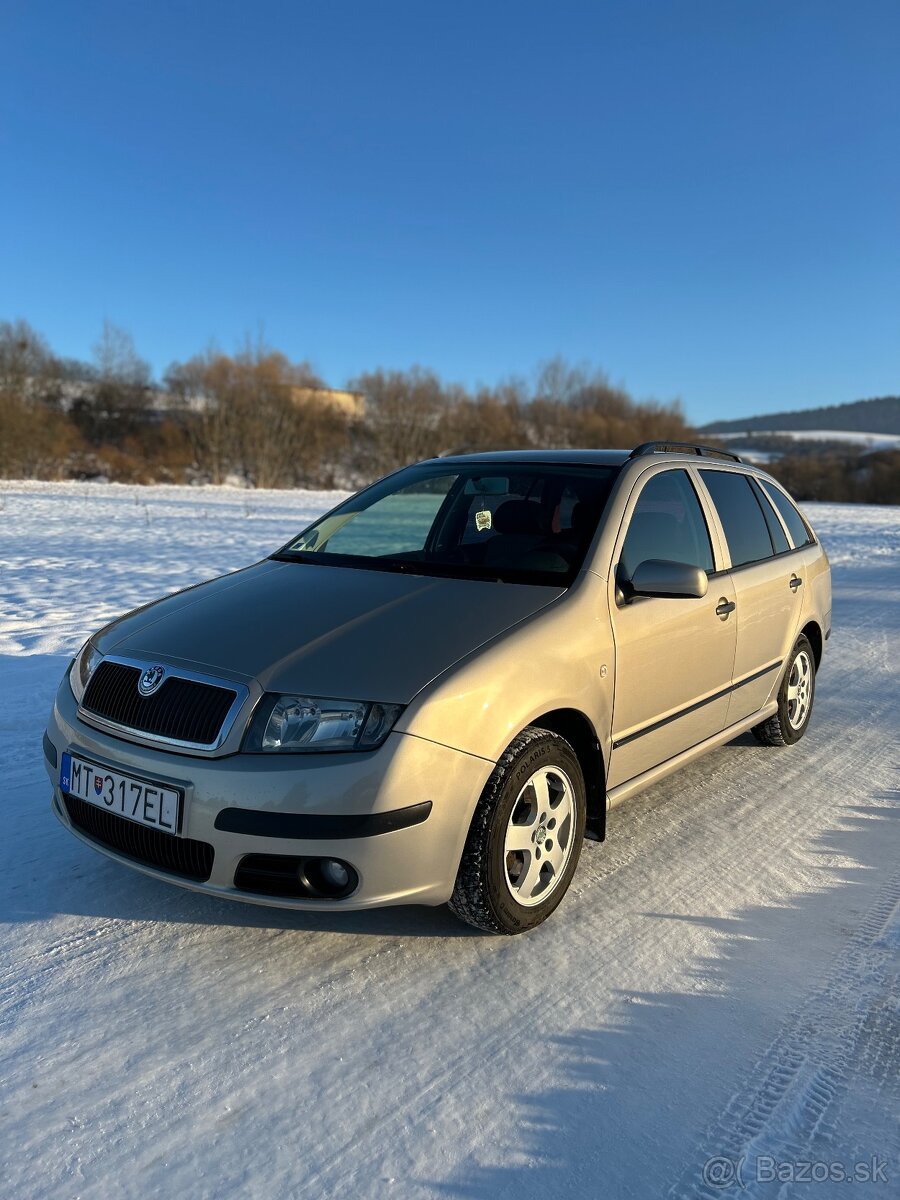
x=515, y=522
x=667, y=523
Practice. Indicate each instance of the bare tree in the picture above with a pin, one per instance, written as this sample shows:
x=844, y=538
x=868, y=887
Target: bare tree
x=28, y=368
x=121, y=395
x=405, y=413
x=257, y=414
x=36, y=437
x=202, y=387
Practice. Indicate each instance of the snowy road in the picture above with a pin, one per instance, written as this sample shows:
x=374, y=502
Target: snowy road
x=723, y=980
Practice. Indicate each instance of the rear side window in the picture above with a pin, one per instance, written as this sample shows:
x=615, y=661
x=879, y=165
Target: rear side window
x=742, y=517
x=667, y=523
x=776, y=533
x=795, y=523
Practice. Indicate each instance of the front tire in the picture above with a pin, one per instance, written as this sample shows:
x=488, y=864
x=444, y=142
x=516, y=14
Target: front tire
x=525, y=838
x=795, y=699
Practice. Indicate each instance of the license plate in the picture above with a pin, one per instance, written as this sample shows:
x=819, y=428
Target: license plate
x=138, y=800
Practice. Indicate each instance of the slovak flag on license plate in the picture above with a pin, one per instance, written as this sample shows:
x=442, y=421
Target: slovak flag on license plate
x=98, y=786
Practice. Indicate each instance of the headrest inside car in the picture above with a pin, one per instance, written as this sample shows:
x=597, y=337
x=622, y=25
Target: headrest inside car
x=518, y=516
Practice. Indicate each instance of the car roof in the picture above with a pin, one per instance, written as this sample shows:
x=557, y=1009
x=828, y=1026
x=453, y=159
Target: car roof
x=681, y=453
x=594, y=458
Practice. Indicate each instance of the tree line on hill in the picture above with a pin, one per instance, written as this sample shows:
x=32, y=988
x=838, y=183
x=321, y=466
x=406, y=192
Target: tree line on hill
x=846, y=475
x=258, y=418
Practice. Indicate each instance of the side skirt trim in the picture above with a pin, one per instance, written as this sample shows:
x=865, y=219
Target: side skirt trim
x=684, y=712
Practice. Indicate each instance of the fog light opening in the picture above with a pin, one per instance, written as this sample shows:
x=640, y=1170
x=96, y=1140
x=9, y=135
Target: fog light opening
x=328, y=877
x=335, y=873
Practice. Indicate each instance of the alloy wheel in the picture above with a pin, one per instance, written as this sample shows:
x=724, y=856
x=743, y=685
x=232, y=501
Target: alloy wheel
x=539, y=836
x=799, y=689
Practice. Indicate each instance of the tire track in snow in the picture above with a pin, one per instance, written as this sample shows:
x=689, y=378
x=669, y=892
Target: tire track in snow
x=796, y=1087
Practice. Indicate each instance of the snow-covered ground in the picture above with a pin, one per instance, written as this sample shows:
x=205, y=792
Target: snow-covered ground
x=722, y=982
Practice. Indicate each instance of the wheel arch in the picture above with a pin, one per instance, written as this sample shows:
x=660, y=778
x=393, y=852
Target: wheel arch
x=813, y=633
x=576, y=728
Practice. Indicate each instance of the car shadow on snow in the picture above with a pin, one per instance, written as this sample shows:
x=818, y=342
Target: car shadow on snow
x=641, y=1104
x=85, y=883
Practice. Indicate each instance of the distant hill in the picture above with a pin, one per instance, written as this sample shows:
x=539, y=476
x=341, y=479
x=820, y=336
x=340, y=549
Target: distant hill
x=868, y=416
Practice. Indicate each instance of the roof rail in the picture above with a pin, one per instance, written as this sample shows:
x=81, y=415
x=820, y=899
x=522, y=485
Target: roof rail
x=682, y=448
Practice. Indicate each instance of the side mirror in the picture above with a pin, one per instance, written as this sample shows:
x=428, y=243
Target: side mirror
x=659, y=577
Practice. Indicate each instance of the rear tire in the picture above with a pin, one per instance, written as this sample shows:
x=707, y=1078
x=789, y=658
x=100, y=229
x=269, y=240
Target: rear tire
x=525, y=838
x=795, y=699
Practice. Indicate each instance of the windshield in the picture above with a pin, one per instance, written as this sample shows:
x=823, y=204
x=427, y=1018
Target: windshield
x=514, y=522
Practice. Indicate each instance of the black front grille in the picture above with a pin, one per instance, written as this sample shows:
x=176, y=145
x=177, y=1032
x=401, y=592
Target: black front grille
x=271, y=875
x=179, y=856
x=183, y=709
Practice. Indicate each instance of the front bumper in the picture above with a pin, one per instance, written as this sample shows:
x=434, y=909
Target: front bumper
x=415, y=864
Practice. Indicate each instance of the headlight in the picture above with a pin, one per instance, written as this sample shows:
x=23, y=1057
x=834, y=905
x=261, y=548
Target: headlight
x=308, y=724
x=86, y=662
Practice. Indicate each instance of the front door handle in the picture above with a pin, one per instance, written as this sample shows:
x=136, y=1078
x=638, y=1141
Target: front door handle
x=795, y=582
x=724, y=607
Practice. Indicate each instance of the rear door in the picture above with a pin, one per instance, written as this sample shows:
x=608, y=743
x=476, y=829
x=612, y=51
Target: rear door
x=762, y=570
x=674, y=656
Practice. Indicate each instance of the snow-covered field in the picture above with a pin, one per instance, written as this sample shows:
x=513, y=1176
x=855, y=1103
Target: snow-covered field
x=867, y=441
x=722, y=982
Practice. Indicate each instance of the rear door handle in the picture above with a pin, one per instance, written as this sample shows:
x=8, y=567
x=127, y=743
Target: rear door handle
x=724, y=607
x=795, y=582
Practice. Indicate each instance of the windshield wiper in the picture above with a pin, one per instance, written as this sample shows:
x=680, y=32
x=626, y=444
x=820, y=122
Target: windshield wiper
x=434, y=570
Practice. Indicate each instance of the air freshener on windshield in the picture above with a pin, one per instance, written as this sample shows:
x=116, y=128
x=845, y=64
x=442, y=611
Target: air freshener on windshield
x=483, y=520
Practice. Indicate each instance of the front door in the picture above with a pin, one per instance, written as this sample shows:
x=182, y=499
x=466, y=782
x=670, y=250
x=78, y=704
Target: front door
x=674, y=657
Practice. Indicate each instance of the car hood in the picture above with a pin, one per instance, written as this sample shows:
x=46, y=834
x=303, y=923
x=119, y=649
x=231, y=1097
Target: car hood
x=326, y=631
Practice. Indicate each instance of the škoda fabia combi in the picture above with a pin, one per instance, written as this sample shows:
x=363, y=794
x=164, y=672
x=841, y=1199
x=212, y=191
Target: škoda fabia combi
x=436, y=691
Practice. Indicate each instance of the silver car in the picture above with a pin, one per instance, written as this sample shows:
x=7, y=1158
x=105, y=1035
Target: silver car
x=435, y=692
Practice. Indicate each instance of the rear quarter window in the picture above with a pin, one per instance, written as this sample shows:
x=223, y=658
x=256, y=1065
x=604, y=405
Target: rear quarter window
x=791, y=517
x=776, y=532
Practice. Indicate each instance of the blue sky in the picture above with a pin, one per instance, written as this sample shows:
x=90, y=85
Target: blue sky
x=700, y=196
